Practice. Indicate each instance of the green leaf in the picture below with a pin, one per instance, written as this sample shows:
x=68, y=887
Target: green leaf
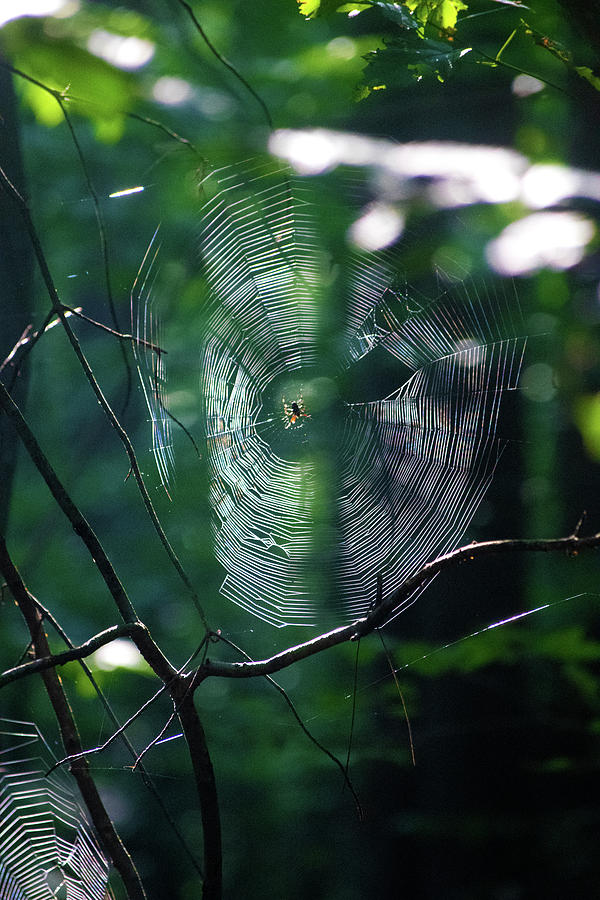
x=440, y=14
x=312, y=9
x=43, y=105
x=408, y=58
x=587, y=73
x=106, y=91
x=397, y=13
x=587, y=419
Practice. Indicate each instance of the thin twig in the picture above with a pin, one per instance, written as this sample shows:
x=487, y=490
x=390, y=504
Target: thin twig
x=100, y=748
x=493, y=61
x=28, y=341
x=147, y=647
x=71, y=98
x=144, y=774
x=168, y=131
x=24, y=339
x=353, y=711
x=61, y=97
x=103, y=245
x=225, y=62
x=154, y=741
x=170, y=680
x=119, y=334
x=80, y=524
x=343, y=769
x=394, y=672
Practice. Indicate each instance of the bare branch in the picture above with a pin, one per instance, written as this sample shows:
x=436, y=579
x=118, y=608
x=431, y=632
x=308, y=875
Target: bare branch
x=172, y=681
x=281, y=690
x=172, y=134
x=225, y=62
x=60, y=659
x=81, y=754
x=61, y=98
x=29, y=339
x=155, y=740
x=140, y=635
x=64, y=97
x=81, y=526
x=571, y=545
x=205, y=785
x=118, y=334
x=139, y=766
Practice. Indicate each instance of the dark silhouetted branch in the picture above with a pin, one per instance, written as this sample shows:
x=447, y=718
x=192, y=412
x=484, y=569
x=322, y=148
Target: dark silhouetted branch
x=225, y=62
x=60, y=659
x=206, y=786
x=571, y=545
x=81, y=526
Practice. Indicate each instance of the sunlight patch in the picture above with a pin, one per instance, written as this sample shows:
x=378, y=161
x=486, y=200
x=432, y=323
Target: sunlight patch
x=123, y=52
x=172, y=91
x=526, y=85
x=342, y=48
x=119, y=654
x=377, y=228
x=16, y=9
x=552, y=240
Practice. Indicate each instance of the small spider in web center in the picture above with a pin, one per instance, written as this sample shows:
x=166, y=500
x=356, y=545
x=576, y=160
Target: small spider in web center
x=294, y=413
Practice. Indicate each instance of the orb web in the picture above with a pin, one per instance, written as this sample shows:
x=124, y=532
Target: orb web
x=47, y=846
x=323, y=503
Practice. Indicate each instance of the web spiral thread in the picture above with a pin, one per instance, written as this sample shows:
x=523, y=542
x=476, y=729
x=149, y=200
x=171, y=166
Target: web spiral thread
x=315, y=504
x=47, y=847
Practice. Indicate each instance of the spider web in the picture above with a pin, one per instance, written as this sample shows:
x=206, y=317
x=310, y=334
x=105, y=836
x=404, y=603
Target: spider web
x=47, y=847
x=323, y=504
x=146, y=329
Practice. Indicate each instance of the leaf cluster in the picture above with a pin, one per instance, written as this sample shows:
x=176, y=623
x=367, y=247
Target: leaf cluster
x=428, y=38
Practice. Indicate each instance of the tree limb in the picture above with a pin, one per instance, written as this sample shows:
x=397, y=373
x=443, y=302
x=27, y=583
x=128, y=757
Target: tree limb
x=381, y=614
x=81, y=526
x=60, y=659
x=139, y=767
x=204, y=775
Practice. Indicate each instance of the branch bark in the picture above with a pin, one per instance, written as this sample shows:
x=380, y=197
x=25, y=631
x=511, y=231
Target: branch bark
x=16, y=278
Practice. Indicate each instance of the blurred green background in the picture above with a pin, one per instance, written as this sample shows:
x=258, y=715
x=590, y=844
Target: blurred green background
x=506, y=724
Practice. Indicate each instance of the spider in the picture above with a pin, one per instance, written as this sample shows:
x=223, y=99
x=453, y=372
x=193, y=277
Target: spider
x=294, y=412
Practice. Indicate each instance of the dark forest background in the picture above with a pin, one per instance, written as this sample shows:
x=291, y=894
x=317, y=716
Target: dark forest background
x=501, y=803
